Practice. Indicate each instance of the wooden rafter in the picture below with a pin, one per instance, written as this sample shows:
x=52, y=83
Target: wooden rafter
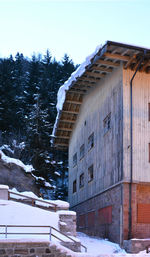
x=97, y=68
x=117, y=57
x=145, y=65
x=63, y=137
x=108, y=63
x=94, y=80
x=70, y=111
x=95, y=74
x=74, y=102
x=68, y=121
x=127, y=65
x=64, y=129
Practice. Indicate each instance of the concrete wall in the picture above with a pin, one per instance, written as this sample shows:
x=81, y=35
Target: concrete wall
x=106, y=155
x=141, y=126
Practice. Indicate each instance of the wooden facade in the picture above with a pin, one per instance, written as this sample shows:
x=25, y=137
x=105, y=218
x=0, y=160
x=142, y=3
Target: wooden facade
x=105, y=183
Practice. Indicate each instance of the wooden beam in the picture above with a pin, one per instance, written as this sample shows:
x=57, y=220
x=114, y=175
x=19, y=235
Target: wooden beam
x=129, y=62
x=73, y=102
x=61, y=144
x=94, y=80
x=64, y=129
x=74, y=91
x=70, y=111
x=63, y=137
x=94, y=74
x=117, y=57
x=97, y=68
x=68, y=121
x=147, y=63
x=108, y=63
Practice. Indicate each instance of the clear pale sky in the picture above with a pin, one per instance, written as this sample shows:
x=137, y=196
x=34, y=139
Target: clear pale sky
x=74, y=27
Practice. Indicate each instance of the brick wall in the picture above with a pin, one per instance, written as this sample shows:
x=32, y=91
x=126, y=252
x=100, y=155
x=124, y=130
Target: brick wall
x=140, y=208
x=90, y=209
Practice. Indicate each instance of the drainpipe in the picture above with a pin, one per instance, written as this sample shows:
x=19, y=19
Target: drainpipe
x=131, y=148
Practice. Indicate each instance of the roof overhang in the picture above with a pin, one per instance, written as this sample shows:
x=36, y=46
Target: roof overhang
x=96, y=67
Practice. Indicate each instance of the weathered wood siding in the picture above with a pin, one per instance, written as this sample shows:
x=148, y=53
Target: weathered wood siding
x=106, y=155
x=141, y=126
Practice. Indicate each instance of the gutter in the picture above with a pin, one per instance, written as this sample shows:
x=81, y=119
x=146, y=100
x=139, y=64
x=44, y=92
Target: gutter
x=131, y=147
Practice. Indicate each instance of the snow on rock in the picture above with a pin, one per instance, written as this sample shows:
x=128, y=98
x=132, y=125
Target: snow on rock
x=6, y=159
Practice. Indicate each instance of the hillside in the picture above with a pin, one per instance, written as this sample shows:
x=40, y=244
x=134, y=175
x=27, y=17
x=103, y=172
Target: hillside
x=28, y=95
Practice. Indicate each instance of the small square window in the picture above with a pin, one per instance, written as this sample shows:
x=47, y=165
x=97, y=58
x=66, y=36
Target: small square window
x=75, y=159
x=91, y=141
x=74, y=186
x=81, y=181
x=82, y=151
x=107, y=123
x=90, y=173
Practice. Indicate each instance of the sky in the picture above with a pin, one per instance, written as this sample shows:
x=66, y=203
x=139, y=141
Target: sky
x=74, y=27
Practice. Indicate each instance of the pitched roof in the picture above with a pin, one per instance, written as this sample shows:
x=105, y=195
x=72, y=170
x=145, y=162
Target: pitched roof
x=97, y=66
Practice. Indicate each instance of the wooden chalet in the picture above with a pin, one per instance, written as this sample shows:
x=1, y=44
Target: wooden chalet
x=104, y=123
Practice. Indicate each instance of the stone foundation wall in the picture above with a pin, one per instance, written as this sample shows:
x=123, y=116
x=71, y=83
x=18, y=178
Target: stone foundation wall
x=20, y=248
x=88, y=219
x=136, y=245
x=67, y=222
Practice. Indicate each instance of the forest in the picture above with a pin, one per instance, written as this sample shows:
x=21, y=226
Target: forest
x=28, y=96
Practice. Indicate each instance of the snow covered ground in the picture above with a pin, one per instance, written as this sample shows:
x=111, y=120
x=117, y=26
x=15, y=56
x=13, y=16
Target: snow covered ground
x=14, y=213
x=98, y=246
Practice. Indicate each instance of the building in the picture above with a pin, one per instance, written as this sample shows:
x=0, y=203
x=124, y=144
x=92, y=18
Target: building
x=104, y=121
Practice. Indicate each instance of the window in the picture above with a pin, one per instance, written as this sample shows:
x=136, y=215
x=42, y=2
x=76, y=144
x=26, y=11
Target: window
x=91, y=141
x=107, y=123
x=81, y=180
x=74, y=186
x=81, y=151
x=105, y=215
x=75, y=159
x=90, y=173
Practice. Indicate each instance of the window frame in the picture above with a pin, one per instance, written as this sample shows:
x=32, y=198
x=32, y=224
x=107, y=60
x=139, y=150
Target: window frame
x=81, y=180
x=74, y=189
x=90, y=171
x=91, y=141
x=82, y=151
x=75, y=160
x=107, y=123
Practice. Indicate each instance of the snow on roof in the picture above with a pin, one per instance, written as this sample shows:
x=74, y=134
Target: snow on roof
x=61, y=96
x=101, y=53
x=6, y=159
